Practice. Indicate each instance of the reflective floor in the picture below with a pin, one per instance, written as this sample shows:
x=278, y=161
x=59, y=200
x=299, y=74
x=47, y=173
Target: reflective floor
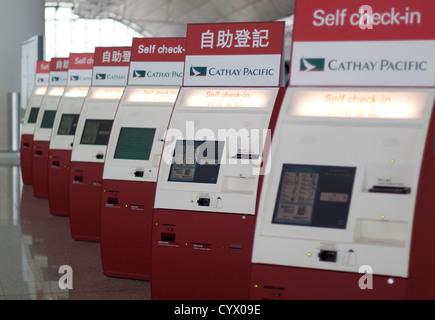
x=34, y=244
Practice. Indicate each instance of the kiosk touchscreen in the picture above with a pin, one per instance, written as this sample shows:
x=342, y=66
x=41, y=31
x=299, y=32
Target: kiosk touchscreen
x=109, y=79
x=64, y=128
x=346, y=211
x=44, y=125
x=30, y=116
x=133, y=155
x=208, y=179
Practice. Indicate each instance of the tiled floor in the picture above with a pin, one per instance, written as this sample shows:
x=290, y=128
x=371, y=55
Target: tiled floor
x=34, y=244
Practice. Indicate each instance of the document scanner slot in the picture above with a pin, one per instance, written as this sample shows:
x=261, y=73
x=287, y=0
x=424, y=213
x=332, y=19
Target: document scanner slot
x=169, y=237
x=390, y=189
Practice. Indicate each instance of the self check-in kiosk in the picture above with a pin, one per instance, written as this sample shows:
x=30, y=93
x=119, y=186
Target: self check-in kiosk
x=109, y=78
x=44, y=125
x=207, y=187
x=64, y=128
x=346, y=211
x=30, y=116
x=133, y=155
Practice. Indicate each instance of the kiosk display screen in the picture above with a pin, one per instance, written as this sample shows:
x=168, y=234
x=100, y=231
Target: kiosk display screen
x=48, y=119
x=96, y=132
x=196, y=161
x=68, y=124
x=316, y=196
x=134, y=143
x=33, y=115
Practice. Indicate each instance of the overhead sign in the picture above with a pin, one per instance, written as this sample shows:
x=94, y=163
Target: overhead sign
x=111, y=66
x=234, y=54
x=157, y=61
x=80, y=69
x=58, y=71
x=363, y=43
x=42, y=73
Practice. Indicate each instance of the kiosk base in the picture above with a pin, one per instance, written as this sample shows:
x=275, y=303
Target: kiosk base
x=40, y=168
x=201, y=255
x=126, y=224
x=26, y=158
x=58, y=182
x=85, y=184
x=270, y=282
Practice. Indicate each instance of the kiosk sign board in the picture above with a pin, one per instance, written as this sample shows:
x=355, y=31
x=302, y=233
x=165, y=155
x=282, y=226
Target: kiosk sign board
x=363, y=43
x=229, y=54
x=42, y=73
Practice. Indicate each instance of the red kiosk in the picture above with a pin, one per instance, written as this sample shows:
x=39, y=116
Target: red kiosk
x=30, y=116
x=346, y=211
x=109, y=78
x=64, y=127
x=44, y=125
x=209, y=174
x=133, y=155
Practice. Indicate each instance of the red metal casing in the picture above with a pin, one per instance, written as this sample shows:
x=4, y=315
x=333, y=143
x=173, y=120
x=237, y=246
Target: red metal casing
x=85, y=186
x=126, y=224
x=58, y=182
x=40, y=168
x=26, y=158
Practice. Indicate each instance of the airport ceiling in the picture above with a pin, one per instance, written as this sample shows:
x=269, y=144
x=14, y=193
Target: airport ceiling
x=168, y=18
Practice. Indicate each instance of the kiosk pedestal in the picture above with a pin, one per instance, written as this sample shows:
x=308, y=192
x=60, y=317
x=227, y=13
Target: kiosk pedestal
x=64, y=129
x=30, y=117
x=133, y=156
x=94, y=128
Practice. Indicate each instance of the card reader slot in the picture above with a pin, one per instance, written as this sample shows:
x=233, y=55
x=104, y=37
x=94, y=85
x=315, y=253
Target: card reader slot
x=235, y=247
x=246, y=156
x=390, y=189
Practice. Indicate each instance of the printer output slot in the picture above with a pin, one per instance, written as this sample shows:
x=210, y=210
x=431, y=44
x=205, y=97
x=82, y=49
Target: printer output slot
x=390, y=189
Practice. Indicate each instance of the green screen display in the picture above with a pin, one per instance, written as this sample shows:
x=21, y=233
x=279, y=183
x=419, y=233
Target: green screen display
x=48, y=119
x=134, y=143
x=33, y=115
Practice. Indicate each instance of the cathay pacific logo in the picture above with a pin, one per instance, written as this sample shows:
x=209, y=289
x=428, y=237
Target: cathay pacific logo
x=198, y=71
x=55, y=79
x=312, y=64
x=100, y=76
x=74, y=78
x=139, y=73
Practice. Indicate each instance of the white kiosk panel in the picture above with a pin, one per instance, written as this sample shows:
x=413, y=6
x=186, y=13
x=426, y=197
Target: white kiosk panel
x=342, y=188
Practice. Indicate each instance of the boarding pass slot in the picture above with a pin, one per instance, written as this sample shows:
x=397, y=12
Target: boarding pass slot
x=390, y=189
